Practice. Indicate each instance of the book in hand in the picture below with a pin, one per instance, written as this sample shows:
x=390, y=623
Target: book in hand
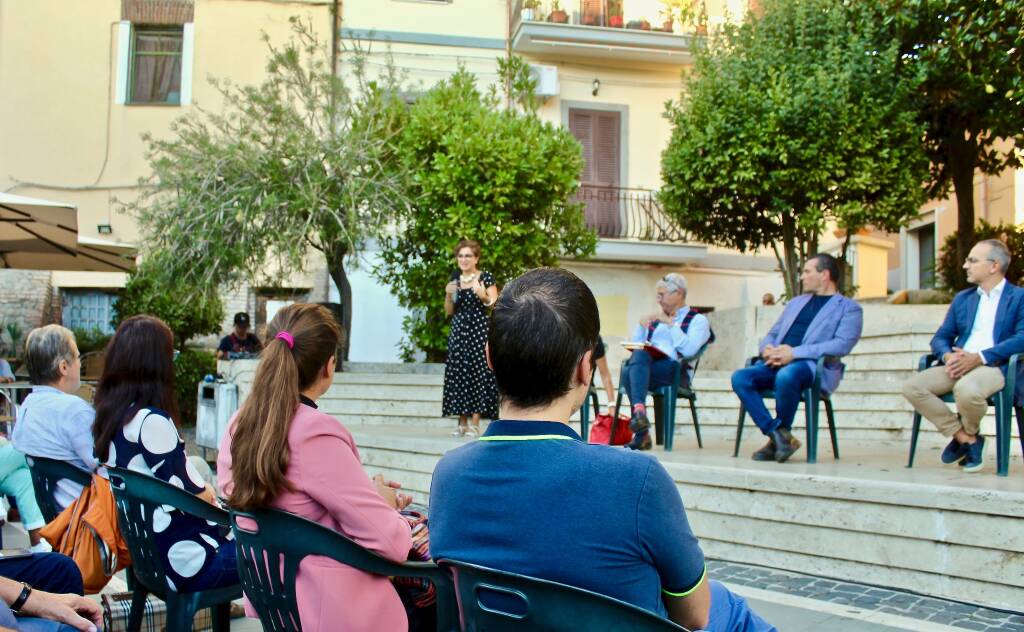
x=654, y=351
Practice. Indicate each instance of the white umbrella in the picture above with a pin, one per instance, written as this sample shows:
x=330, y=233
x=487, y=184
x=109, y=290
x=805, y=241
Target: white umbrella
x=42, y=235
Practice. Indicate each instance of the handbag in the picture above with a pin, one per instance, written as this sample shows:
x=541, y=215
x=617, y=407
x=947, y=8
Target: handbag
x=601, y=431
x=117, y=608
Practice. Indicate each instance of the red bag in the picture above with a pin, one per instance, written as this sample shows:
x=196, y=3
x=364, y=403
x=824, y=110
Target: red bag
x=601, y=430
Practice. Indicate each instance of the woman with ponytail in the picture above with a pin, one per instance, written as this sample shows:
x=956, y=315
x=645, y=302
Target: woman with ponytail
x=280, y=451
x=135, y=429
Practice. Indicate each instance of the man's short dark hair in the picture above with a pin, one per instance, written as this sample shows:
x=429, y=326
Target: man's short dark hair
x=542, y=325
x=823, y=261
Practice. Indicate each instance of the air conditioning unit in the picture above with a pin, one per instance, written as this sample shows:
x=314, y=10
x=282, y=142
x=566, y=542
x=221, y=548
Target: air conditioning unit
x=547, y=80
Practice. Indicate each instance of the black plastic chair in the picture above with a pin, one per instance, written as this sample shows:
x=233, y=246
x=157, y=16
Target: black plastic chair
x=1005, y=403
x=272, y=547
x=137, y=496
x=517, y=602
x=45, y=475
x=812, y=398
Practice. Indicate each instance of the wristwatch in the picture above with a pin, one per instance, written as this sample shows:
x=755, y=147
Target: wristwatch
x=26, y=590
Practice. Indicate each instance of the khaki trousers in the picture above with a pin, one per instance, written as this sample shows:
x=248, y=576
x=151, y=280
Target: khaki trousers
x=971, y=393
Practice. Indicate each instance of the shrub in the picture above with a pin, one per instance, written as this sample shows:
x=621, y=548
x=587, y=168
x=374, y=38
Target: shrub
x=949, y=267
x=89, y=340
x=145, y=293
x=189, y=368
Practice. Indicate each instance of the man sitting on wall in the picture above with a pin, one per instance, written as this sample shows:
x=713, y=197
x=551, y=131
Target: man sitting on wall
x=983, y=328
x=592, y=516
x=820, y=322
x=674, y=333
x=240, y=340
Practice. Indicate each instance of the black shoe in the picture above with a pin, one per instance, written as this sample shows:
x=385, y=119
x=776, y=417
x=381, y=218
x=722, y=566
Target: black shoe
x=767, y=453
x=785, y=444
x=975, y=459
x=641, y=441
x=639, y=422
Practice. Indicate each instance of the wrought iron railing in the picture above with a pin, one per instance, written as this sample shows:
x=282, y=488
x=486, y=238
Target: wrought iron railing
x=625, y=213
x=605, y=13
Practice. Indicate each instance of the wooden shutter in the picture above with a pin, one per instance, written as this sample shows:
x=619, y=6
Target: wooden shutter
x=599, y=134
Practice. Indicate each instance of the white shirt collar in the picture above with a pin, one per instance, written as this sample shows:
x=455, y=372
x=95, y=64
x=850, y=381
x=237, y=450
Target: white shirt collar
x=996, y=292
x=681, y=313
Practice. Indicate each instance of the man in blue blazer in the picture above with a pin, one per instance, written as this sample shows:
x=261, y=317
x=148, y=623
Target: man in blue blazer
x=820, y=322
x=983, y=328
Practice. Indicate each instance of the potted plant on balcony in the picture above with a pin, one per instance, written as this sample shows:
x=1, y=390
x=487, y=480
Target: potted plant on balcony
x=557, y=14
x=615, y=14
x=530, y=8
x=681, y=12
x=642, y=24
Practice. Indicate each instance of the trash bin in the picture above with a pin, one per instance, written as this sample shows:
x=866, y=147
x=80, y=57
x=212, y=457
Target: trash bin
x=217, y=402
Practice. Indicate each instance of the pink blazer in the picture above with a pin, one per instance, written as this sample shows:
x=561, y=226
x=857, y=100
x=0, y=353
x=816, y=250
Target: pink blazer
x=331, y=487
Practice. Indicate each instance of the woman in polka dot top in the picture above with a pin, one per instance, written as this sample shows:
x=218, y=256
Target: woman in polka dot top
x=134, y=429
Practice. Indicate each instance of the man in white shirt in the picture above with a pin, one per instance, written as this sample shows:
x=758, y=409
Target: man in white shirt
x=983, y=328
x=674, y=334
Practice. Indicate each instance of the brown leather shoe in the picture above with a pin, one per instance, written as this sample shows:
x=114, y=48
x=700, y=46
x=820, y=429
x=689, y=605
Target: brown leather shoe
x=785, y=444
x=767, y=453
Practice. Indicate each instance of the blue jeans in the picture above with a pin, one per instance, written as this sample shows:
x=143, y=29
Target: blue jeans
x=731, y=613
x=645, y=373
x=788, y=383
x=51, y=572
x=223, y=569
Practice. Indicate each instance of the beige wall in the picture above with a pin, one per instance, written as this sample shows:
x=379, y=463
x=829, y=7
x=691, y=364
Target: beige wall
x=57, y=74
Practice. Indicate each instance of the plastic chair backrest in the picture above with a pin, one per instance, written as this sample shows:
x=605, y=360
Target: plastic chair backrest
x=137, y=496
x=45, y=474
x=270, y=538
x=497, y=601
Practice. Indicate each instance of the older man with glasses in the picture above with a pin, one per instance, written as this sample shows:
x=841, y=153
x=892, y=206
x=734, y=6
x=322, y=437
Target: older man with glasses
x=983, y=328
x=674, y=333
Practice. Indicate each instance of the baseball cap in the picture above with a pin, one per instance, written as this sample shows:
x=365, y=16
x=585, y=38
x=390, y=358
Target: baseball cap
x=242, y=319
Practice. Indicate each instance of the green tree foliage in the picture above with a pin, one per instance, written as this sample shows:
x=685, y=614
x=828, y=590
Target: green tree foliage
x=791, y=123
x=189, y=369
x=146, y=293
x=965, y=58
x=302, y=161
x=497, y=175
x=950, y=267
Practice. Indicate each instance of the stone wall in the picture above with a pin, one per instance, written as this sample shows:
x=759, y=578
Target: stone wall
x=25, y=296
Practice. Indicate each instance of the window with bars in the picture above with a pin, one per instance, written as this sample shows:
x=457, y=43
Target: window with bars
x=156, y=56
x=87, y=309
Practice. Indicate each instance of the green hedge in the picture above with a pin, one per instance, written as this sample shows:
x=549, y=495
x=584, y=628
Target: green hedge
x=189, y=369
x=949, y=267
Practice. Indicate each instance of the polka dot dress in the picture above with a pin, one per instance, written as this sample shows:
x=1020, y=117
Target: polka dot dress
x=150, y=444
x=468, y=384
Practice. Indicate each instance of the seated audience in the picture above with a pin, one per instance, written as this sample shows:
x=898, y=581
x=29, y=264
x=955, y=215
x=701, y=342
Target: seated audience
x=16, y=481
x=531, y=497
x=45, y=592
x=819, y=322
x=135, y=428
x=674, y=333
x=601, y=362
x=53, y=422
x=281, y=451
x=983, y=328
x=240, y=340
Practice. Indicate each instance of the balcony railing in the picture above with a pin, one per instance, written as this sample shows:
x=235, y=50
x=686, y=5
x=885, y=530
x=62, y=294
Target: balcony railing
x=624, y=213
x=641, y=15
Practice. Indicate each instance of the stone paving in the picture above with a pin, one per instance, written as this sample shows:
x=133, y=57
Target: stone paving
x=904, y=604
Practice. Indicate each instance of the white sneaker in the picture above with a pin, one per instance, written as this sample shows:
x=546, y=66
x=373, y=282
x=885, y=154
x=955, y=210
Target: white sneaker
x=42, y=547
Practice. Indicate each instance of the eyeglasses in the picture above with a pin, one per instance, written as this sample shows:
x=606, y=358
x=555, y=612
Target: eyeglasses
x=972, y=260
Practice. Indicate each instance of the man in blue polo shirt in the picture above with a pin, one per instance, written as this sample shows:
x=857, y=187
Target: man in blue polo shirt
x=531, y=497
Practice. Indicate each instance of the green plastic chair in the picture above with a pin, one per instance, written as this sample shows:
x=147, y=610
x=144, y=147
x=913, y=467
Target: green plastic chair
x=812, y=398
x=45, y=474
x=1005, y=403
x=269, y=539
x=665, y=402
x=517, y=603
x=137, y=495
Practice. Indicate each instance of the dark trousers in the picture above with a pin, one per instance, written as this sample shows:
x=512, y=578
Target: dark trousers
x=645, y=373
x=788, y=382
x=51, y=572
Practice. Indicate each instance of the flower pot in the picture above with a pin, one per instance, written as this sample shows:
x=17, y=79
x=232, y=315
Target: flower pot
x=528, y=14
x=667, y=26
x=561, y=17
x=645, y=25
x=634, y=24
x=615, y=21
x=590, y=19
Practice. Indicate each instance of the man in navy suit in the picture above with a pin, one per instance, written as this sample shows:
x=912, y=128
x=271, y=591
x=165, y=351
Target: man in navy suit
x=820, y=322
x=983, y=328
